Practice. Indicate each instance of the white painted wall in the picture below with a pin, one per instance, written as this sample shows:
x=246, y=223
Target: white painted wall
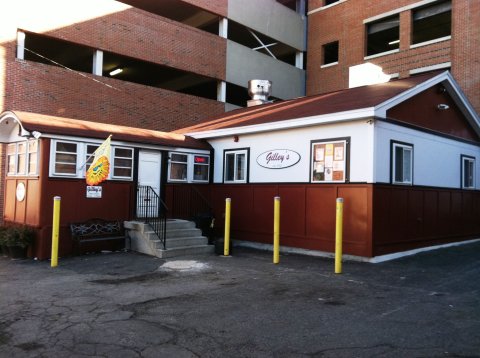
x=436, y=160
x=298, y=140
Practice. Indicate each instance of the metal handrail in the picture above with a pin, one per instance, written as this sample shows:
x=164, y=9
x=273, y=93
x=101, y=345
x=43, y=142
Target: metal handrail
x=202, y=214
x=153, y=210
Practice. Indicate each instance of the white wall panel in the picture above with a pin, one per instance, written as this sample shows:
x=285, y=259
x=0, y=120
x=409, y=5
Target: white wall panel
x=299, y=140
x=436, y=160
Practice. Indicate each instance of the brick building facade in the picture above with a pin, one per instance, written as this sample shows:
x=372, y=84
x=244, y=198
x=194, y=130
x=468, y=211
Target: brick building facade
x=177, y=59
x=346, y=24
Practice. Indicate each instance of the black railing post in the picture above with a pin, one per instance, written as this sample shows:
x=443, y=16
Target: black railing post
x=148, y=204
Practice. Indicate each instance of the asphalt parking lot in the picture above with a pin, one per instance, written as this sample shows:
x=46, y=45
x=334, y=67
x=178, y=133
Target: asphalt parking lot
x=131, y=305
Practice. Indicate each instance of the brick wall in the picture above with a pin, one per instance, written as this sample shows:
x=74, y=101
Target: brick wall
x=344, y=23
x=35, y=87
x=218, y=7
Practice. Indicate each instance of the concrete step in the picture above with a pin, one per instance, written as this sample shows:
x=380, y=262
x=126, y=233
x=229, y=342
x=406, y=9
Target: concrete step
x=186, y=251
x=183, y=239
x=186, y=241
x=177, y=224
x=183, y=233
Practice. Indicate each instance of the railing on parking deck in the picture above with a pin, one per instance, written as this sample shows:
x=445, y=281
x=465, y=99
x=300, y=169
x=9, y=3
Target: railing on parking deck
x=153, y=211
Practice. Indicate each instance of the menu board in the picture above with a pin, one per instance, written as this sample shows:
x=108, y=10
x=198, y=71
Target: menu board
x=329, y=161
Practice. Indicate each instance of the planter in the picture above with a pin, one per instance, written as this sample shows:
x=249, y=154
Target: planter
x=18, y=252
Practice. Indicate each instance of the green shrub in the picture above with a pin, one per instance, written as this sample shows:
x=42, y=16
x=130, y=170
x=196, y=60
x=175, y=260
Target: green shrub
x=21, y=236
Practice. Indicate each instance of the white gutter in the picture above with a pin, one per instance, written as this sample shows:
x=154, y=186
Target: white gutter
x=287, y=124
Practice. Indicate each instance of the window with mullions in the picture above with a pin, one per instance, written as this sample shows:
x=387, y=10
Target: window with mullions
x=329, y=161
x=65, y=162
x=178, y=167
x=468, y=172
x=383, y=35
x=32, y=157
x=235, y=166
x=22, y=158
x=201, y=165
x=122, y=163
x=432, y=22
x=402, y=163
x=91, y=148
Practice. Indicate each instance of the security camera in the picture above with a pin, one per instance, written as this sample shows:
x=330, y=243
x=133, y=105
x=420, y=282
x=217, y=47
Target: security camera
x=443, y=107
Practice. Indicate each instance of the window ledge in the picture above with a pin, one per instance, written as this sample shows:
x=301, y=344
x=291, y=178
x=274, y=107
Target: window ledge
x=329, y=64
x=381, y=54
x=326, y=7
x=431, y=42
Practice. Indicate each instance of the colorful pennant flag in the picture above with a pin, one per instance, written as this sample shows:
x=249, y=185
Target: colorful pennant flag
x=98, y=171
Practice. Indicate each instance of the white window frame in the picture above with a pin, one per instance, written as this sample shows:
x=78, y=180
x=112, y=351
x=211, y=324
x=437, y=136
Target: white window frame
x=471, y=161
x=113, y=166
x=235, y=152
x=81, y=160
x=190, y=163
x=404, y=147
x=15, y=155
x=200, y=164
x=170, y=161
x=29, y=157
x=54, y=157
x=12, y=155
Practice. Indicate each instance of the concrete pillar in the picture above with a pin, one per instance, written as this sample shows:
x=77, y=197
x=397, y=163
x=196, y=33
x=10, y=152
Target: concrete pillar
x=97, y=68
x=223, y=28
x=20, y=45
x=222, y=91
x=299, y=60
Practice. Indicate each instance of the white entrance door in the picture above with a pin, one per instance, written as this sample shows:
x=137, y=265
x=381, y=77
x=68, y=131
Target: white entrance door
x=149, y=171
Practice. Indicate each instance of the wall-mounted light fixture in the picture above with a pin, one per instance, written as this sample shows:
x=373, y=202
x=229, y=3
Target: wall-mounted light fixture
x=116, y=71
x=235, y=138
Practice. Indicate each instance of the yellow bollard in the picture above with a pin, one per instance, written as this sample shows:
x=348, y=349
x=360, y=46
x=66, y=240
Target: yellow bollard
x=226, y=240
x=339, y=236
x=55, y=230
x=276, y=230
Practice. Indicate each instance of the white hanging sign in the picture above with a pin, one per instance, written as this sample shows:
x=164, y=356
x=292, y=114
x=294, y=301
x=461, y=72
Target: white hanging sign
x=278, y=158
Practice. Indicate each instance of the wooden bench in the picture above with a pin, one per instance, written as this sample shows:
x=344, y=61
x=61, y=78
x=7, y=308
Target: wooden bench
x=95, y=235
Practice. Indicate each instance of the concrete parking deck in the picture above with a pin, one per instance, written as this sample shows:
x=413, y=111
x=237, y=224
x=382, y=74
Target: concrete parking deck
x=132, y=305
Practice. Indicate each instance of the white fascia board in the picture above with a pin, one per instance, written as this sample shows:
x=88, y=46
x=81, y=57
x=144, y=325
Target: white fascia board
x=453, y=89
x=287, y=124
x=139, y=145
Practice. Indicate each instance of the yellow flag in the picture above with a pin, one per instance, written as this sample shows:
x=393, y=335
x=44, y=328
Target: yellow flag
x=98, y=171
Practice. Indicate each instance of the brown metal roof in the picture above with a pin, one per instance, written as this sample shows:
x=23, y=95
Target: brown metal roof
x=72, y=127
x=333, y=102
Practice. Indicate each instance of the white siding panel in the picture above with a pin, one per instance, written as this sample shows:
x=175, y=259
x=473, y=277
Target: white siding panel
x=299, y=140
x=436, y=159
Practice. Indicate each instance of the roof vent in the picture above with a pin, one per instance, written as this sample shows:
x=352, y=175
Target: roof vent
x=259, y=90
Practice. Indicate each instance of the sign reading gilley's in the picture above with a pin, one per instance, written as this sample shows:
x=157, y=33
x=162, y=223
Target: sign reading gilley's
x=278, y=158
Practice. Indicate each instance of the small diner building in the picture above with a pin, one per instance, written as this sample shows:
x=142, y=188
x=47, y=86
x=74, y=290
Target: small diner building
x=402, y=154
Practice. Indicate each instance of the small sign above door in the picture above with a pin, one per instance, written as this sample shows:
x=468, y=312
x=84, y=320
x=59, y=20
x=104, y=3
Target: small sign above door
x=278, y=158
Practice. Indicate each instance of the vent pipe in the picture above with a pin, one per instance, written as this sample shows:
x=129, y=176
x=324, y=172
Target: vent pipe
x=259, y=90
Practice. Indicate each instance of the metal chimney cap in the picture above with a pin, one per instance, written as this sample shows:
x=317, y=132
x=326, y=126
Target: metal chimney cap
x=259, y=89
